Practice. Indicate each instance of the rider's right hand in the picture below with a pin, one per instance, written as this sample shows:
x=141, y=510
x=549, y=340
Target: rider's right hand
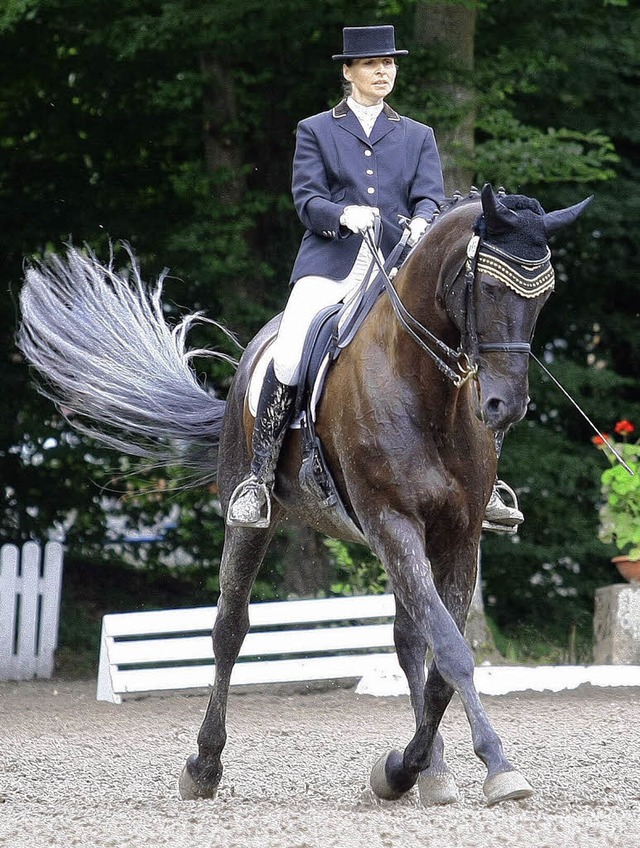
x=359, y=218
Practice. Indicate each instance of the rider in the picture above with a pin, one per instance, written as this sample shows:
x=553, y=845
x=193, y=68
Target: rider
x=357, y=162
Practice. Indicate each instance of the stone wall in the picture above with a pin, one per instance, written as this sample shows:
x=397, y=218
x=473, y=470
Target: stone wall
x=617, y=625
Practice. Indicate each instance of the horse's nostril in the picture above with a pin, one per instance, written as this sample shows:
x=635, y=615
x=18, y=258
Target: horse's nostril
x=493, y=405
x=499, y=413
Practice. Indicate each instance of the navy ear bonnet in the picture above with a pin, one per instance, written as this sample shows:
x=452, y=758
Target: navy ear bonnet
x=526, y=236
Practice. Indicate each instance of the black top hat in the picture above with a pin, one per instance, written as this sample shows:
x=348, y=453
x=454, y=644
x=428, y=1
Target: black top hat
x=363, y=42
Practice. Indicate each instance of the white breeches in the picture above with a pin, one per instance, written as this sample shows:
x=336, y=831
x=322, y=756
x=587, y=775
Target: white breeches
x=308, y=296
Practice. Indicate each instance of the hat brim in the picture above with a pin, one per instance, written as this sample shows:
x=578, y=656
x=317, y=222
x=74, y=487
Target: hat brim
x=343, y=56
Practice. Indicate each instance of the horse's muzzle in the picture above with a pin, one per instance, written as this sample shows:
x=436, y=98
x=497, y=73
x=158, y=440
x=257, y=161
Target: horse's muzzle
x=499, y=409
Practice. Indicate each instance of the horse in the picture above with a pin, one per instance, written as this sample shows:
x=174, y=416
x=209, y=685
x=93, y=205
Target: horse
x=407, y=421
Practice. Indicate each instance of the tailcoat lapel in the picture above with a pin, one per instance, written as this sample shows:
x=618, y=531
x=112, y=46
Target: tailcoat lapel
x=347, y=121
x=387, y=121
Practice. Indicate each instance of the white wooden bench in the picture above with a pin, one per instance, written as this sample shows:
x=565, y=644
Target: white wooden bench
x=288, y=641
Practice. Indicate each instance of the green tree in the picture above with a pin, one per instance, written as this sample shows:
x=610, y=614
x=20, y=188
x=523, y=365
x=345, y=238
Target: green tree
x=172, y=126
x=573, y=67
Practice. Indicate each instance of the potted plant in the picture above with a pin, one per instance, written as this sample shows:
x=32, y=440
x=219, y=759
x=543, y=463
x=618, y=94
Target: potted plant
x=620, y=512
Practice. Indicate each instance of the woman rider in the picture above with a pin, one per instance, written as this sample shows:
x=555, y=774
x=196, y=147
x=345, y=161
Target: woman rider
x=352, y=164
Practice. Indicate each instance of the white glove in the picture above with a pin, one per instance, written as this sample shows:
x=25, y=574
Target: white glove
x=417, y=228
x=359, y=218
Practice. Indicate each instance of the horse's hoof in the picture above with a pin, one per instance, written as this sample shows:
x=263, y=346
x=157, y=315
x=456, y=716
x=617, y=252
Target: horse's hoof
x=506, y=786
x=437, y=789
x=190, y=789
x=379, y=781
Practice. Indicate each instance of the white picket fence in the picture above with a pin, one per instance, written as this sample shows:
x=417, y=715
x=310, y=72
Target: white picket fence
x=288, y=641
x=30, y=586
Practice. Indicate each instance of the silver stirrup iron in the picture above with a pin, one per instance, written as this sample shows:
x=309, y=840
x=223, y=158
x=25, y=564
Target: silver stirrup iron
x=249, y=505
x=499, y=516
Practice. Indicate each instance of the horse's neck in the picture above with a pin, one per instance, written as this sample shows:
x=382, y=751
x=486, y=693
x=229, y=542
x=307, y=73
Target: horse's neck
x=417, y=287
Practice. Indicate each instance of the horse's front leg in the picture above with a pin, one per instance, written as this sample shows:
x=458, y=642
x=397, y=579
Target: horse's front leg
x=400, y=546
x=456, y=583
x=244, y=550
x=436, y=783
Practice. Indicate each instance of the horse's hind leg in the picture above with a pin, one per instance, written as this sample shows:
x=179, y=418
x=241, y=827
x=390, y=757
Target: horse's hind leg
x=244, y=550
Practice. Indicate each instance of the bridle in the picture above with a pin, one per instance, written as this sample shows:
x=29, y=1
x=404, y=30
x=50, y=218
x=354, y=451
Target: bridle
x=463, y=369
x=529, y=278
x=526, y=277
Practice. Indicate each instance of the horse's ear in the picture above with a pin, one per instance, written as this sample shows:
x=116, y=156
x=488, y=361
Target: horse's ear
x=554, y=221
x=496, y=215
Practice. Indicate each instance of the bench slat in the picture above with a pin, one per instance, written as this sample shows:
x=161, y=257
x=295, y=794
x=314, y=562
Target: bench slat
x=274, y=671
x=264, y=614
x=319, y=640
x=173, y=648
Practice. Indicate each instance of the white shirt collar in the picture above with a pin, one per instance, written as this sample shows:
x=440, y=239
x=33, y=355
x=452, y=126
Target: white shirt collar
x=367, y=115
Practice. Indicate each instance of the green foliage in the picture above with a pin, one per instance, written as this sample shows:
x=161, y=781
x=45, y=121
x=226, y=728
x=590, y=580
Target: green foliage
x=620, y=513
x=545, y=576
x=530, y=646
x=514, y=153
x=581, y=77
x=14, y=11
x=357, y=570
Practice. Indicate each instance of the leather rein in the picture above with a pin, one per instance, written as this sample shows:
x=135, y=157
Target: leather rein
x=529, y=279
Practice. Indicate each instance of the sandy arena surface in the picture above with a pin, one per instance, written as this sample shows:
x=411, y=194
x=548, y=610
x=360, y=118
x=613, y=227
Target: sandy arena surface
x=76, y=772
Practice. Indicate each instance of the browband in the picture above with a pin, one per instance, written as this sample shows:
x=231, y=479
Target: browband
x=529, y=278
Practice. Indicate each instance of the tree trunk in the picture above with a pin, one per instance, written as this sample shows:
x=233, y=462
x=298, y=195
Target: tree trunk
x=449, y=29
x=222, y=156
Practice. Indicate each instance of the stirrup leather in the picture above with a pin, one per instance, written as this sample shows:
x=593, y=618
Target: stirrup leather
x=512, y=516
x=249, y=505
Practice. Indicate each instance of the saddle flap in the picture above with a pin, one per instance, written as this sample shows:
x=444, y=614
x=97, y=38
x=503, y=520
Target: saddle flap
x=320, y=343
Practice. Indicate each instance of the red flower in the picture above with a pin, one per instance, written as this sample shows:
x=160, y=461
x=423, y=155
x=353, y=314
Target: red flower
x=598, y=441
x=624, y=428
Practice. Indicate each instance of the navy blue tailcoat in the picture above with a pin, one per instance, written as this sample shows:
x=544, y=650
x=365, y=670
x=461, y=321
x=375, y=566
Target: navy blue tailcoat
x=335, y=165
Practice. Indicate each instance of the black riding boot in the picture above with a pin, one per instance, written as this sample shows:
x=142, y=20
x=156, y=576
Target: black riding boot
x=250, y=503
x=498, y=516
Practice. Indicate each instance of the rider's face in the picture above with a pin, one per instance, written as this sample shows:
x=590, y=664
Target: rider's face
x=371, y=79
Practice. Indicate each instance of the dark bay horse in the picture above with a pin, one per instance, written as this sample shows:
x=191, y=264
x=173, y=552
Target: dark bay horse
x=407, y=423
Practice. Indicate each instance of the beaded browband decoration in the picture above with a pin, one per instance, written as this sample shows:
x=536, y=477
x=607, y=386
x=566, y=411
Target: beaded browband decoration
x=524, y=276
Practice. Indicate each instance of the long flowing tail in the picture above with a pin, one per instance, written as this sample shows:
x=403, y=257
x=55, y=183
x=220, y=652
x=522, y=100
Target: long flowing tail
x=113, y=366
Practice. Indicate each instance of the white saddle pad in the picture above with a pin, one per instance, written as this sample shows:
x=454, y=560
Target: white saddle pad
x=257, y=378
